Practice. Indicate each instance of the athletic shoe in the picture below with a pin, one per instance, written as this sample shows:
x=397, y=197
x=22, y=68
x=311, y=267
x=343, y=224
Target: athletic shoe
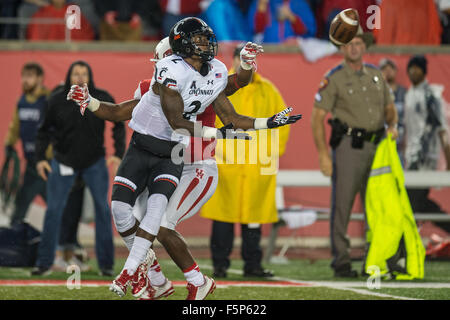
x=120, y=283
x=156, y=292
x=345, y=273
x=41, y=271
x=220, y=273
x=106, y=273
x=258, y=273
x=75, y=261
x=81, y=254
x=200, y=293
x=60, y=265
x=140, y=280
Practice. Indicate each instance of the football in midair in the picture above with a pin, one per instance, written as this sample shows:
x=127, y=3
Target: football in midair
x=344, y=27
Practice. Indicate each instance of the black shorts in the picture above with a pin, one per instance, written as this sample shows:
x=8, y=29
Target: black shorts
x=146, y=164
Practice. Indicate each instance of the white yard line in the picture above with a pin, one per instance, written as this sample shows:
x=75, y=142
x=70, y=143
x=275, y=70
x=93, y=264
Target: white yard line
x=355, y=286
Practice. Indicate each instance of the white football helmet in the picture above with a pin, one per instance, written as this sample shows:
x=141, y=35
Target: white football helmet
x=162, y=50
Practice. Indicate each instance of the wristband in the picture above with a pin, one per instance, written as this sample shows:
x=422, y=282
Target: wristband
x=209, y=132
x=94, y=104
x=260, y=123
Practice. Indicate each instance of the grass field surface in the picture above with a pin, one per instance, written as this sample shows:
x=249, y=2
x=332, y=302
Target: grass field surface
x=297, y=280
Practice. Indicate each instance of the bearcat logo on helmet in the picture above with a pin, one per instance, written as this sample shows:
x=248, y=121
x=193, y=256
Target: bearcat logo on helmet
x=181, y=39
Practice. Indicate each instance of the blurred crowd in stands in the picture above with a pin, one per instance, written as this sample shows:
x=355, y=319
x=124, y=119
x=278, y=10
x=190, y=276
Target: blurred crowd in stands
x=262, y=21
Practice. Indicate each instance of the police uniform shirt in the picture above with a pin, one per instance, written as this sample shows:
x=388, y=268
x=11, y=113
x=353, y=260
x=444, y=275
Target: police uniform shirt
x=356, y=98
x=197, y=92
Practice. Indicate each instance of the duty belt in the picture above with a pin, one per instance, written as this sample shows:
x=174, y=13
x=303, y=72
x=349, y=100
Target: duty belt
x=371, y=136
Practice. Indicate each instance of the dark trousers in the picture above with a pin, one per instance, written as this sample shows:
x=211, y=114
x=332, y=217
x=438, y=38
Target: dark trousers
x=59, y=186
x=71, y=218
x=32, y=186
x=221, y=245
x=351, y=170
x=420, y=203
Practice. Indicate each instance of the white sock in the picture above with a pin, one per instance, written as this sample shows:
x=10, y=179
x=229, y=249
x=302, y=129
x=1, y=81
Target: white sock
x=137, y=254
x=156, y=276
x=129, y=241
x=194, y=276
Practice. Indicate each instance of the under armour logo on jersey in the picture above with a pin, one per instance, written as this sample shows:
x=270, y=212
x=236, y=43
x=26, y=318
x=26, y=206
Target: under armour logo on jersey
x=210, y=82
x=193, y=85
x=200, y=173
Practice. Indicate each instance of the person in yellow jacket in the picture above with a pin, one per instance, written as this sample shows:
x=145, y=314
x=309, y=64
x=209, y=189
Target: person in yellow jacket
x=247, y=179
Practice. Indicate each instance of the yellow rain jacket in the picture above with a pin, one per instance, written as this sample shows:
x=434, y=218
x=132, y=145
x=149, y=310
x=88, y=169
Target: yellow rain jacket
x=390, y=217
x=247, y=169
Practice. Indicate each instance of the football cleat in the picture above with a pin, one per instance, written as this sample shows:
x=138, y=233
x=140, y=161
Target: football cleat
x=157, y=292
x=140, y=280
x=200, y=293
x=120, y=283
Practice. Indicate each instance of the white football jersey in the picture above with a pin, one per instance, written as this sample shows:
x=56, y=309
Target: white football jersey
x=197, y=92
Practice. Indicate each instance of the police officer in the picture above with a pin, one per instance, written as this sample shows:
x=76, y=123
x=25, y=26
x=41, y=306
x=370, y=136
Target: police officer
x=361, y=107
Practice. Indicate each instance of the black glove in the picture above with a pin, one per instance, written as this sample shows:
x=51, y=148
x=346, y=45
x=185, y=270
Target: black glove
x=280, y=119
x=227, y=132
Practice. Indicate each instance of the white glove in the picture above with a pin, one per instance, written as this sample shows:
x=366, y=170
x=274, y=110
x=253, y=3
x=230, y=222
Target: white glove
x=248, y=55
x=82, y=97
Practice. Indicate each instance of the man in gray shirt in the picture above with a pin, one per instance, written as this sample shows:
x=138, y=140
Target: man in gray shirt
x=425, y=132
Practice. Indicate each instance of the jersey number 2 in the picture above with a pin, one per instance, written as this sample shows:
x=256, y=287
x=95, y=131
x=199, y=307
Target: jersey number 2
x=197, y=105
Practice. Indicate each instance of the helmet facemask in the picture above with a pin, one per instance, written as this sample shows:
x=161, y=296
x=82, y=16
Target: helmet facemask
x=210, y=43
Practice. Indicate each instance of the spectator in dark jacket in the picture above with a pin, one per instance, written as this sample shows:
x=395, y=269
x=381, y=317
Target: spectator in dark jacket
x=24, y=127
x=78, y=150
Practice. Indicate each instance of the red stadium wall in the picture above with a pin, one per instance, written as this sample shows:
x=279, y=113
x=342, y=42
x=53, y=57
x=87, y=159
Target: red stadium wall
x=297, y=80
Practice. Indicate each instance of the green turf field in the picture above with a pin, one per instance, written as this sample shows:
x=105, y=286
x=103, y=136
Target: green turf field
x=316, y=279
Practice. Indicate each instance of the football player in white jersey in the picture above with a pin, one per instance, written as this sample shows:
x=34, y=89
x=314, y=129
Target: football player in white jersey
x=182, y=97
x=199, y=177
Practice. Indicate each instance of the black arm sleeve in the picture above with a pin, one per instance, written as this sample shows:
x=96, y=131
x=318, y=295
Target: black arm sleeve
x=119, y=134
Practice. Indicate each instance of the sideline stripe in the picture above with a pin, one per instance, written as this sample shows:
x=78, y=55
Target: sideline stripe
x=94, y=283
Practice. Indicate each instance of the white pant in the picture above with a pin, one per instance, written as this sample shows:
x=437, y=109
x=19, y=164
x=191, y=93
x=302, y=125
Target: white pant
x=197, y=185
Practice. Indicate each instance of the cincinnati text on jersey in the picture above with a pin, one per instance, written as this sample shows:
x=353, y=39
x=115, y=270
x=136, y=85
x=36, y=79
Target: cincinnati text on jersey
x=199, y=91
